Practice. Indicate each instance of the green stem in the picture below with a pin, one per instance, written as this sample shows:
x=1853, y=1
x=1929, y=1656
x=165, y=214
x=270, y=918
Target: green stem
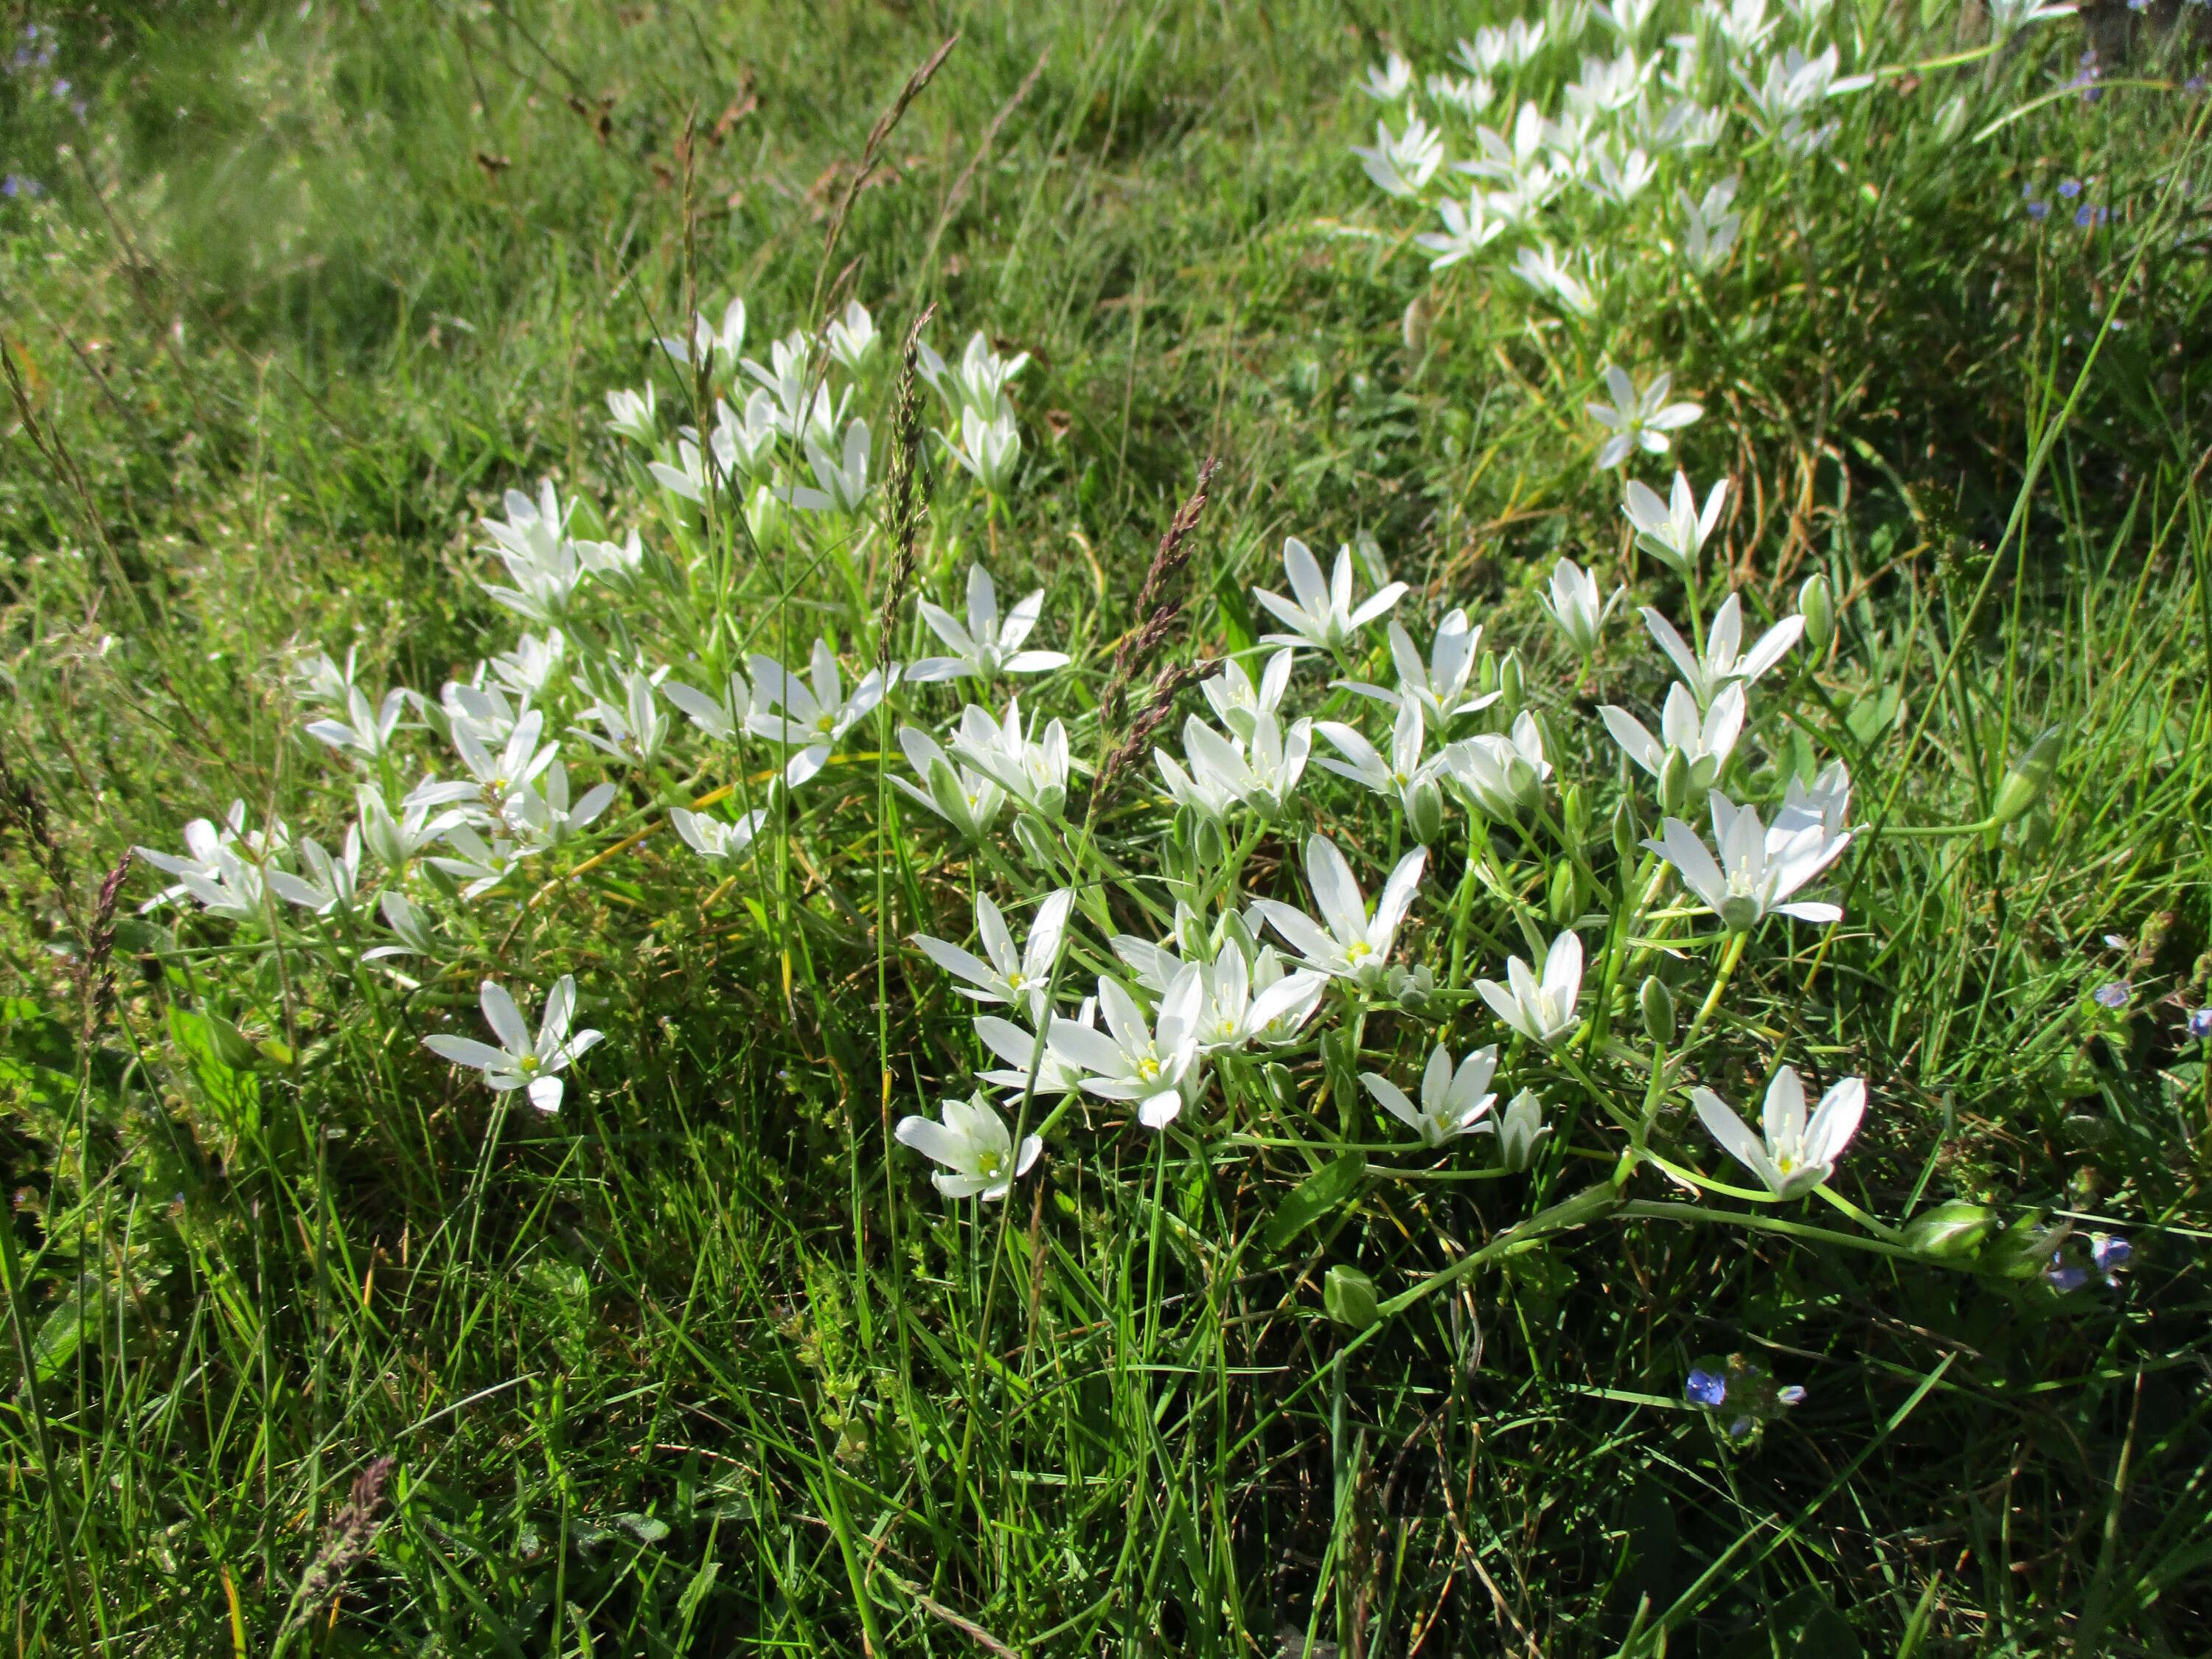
x=1729, y=960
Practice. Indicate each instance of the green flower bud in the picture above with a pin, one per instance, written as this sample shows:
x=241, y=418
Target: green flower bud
x=1576, y=811
x=2024, y=1248
x=1656, y=1003
x=1566, y=895
x=1348, y=1297
x=1420, y=313
x=2026, y=779
x=1509, y=685
x=1339, y=1058
x=1951, y=117
x=765, y=518
x=1520, y=1130
x=1209, y=844
x=1675, y=783
x=1425, y=811
x=1627, y=835
x=1522, y=783
x=1951, y=1229
x=1486, y=673
x=1034, y=841
x=1816, y=602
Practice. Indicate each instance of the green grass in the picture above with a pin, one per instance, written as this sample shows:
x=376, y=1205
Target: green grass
x=703, y=1364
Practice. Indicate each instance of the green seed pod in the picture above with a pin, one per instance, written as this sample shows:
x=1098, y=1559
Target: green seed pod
x=1486, y=673
x=1816, y=602
x=1348, y=1297
x=1576, y=811
x=1627, y=834
x=1566, y=895
x=2026, y=779
x=1415, y=992
x=1656, y=1003
x=1509, y=685
x=1951, y=1229
x=1675, y=783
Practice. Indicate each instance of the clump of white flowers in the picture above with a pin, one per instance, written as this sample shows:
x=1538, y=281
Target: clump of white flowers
x=1171, y=959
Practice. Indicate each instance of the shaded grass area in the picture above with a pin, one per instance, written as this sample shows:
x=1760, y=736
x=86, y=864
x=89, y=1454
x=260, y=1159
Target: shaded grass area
x=310, y=289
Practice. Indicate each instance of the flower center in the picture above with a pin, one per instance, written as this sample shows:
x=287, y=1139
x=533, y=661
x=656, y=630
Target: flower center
x=1357, y=951
x=1148, y=1069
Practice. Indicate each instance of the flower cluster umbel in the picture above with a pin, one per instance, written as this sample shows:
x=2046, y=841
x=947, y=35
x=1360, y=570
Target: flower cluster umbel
x=1363, y=813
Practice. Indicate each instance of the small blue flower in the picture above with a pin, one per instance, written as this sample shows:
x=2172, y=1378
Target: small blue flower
x=1791, y=1395
x=61, y=88
x=17, y=185
x=2039, y=210
x=1706, y=1389
x=2066, y=1278
x=2200, y=1024
x=1742, y=1428
x=2110, y=1251
x=2114, y=996
x=2068, y=188
x=2195, y=83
